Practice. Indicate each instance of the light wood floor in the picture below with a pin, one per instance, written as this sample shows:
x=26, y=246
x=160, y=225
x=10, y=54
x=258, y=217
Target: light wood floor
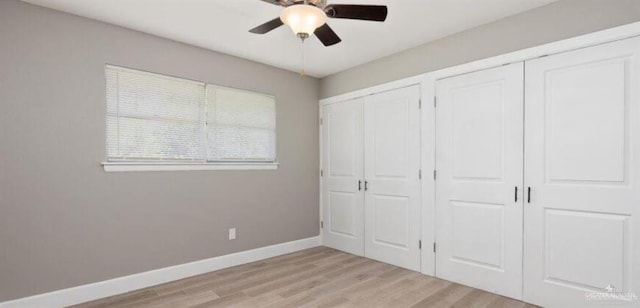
x=317, y=277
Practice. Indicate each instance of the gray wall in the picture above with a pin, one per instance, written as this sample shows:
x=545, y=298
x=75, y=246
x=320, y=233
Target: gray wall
x=556, y=21
x=65, y=222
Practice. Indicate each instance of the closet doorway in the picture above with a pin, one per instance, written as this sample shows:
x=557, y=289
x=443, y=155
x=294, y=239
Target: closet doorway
x=371, y=176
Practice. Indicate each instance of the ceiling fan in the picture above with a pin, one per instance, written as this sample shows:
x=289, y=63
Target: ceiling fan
x=306, y=17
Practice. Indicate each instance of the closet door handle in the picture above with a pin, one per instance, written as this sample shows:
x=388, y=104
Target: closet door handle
x=359, y=185
x=528, y=194
x=366, y=185
x=516, y=195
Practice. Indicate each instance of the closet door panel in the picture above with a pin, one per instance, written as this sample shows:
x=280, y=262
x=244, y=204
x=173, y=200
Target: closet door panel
x=342, y=196
x=479, y=131
x=582, y=138
x=392, y=164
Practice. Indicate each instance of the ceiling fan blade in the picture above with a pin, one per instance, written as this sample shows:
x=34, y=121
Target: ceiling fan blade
x=352, y=11
x=326, y=35
x=267, y=26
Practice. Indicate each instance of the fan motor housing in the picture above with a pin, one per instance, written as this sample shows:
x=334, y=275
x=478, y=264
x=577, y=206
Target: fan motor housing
x=316, y=3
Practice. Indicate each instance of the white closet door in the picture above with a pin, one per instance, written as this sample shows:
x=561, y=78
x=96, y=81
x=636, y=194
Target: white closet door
x=392, y=164
x=582, y=162
x=342, y=196
x=479, y=131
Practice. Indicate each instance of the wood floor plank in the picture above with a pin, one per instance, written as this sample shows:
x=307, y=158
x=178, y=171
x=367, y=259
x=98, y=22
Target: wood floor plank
x=363, y=290
x=336, y=302
x=182, y=284
x=296, y=255
x=265, y=282
x=263, y=300
x=154, y=300
x=236, y=270
x=317, y=277
x=445, y=297
x=188, y=300
x=476, y=299
x=120, y=300
x=311, y=259
x=381, y=296
x=348, y=285
x=421, y=291
x=395, y=273
x=303, y=286
x=336, y=258
x=504, y=302
x=351, y=268
x=335, y=287
x=235, y=284
x=287, y=280
x=226, y=301
x=327, y=286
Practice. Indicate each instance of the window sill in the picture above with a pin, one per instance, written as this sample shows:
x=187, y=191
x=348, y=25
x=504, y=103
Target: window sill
x=134, y=166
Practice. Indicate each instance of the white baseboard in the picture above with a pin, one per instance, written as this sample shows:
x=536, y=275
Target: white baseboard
x=93, y=291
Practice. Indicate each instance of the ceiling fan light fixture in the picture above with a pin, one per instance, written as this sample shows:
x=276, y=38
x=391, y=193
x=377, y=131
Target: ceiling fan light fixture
x=303, y=19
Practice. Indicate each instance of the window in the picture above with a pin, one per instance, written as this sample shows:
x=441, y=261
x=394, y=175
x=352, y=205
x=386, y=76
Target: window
x=154, y=119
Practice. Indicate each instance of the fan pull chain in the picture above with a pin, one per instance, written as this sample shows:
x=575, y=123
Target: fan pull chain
x=302, y=72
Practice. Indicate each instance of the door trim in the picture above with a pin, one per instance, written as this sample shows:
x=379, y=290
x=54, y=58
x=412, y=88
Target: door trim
x=577, y=42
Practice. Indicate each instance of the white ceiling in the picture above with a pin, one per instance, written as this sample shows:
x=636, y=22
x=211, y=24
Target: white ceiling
x=222, y=25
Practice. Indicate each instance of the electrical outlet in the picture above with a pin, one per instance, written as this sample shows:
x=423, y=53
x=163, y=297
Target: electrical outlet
x=232, y=234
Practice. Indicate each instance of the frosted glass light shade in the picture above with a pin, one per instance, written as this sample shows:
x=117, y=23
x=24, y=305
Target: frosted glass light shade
x=303, y=18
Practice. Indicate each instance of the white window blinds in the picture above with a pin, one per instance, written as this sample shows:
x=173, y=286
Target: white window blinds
x=152, y=117
x=241, y=125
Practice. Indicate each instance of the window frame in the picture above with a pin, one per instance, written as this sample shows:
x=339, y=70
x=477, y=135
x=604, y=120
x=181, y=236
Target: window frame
x=134, y=164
